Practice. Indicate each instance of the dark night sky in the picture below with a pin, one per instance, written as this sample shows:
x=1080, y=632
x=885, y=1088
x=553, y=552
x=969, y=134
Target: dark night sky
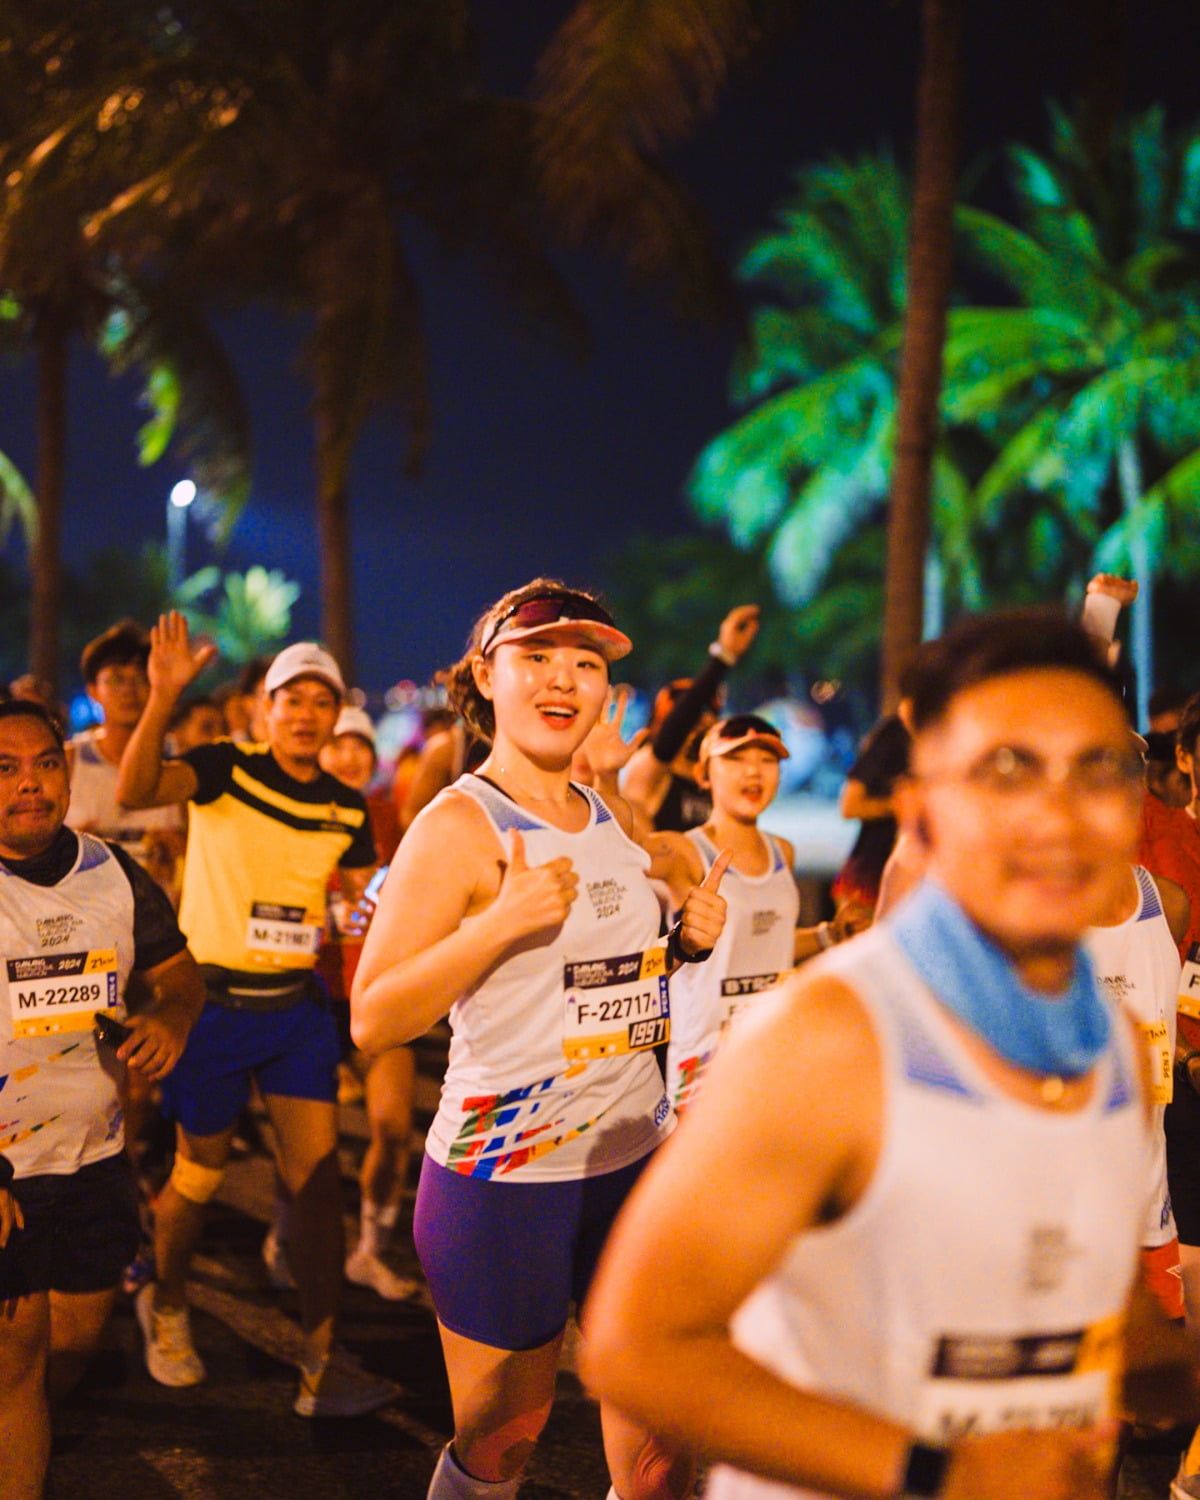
x=540, y=464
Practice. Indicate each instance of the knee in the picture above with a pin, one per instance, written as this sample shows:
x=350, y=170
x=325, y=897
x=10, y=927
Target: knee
x=661, y=1471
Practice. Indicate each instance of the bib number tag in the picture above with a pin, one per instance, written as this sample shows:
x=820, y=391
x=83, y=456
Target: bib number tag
x=738, y=995
x=59, y=992
x=1045, y=1382
x=1189, y=984
x=1158, y=1046
x=281, y=929
x=615, y=1005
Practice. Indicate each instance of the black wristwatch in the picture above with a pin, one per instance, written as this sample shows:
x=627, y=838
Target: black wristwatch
x=925, y=1472
x=6, y=1172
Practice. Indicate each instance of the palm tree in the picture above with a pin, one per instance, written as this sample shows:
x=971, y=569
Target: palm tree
x=811, y=465
x=1088, y=384
x=55, y=285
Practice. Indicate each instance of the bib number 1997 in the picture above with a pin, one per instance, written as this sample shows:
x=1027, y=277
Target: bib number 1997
x=615, y=1005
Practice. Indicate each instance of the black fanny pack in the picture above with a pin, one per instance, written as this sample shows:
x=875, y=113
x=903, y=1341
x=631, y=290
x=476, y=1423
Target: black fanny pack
x=238, y=991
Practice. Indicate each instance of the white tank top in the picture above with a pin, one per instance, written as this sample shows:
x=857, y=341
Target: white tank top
x=551, y=1074
x=755, y=948
x=980, y=1281
x=1137, y=963
x=94, y=806
x=66, y=951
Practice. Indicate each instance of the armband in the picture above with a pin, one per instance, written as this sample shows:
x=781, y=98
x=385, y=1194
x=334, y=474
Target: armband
x=924, y=1472
x=677, y=953
x=719, y=653
x=7, y=1173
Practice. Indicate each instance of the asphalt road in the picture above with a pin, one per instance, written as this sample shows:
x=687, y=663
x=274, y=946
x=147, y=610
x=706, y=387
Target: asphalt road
x=121, y=1436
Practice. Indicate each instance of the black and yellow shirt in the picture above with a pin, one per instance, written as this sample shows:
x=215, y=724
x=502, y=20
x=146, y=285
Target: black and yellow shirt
x=261, y=849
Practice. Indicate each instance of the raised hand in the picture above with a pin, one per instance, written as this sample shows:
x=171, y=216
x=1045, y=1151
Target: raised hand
x=534, y=898
x=703, y=915
x=738, y=629
x=605, y=751
x=174, y=664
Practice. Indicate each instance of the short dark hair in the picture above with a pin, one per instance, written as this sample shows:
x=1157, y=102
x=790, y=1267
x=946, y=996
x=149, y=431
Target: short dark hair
x=26, y=708
x=121, y=645
x=981, y=647
x=1167, y=698
x=250, y=678
x=186, y=707
x=1189, y=725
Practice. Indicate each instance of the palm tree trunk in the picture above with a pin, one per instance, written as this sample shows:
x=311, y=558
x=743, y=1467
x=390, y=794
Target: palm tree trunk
x=1141, y=628
x=46, y=552
x=929, y=269
x=333, y=533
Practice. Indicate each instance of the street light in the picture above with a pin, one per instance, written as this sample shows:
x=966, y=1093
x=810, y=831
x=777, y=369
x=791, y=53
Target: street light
x=181, y=496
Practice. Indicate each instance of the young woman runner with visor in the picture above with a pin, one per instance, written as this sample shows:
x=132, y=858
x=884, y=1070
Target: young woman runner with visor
x=519, y=903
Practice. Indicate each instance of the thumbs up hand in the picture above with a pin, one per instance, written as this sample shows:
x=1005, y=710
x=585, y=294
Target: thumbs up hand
x=534, y=898
x=703, y=915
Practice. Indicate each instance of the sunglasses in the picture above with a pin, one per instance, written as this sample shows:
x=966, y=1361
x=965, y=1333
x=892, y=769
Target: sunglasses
x=546, y=609
x=741, y=725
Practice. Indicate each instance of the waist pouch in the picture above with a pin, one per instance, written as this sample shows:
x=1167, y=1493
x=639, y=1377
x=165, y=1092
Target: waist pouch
x=254, y=992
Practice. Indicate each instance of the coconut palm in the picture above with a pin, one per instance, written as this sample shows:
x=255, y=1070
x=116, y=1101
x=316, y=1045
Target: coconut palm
x=811, y=464
x=1088, y=384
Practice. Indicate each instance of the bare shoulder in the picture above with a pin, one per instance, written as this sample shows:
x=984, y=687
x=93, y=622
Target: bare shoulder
x=622, y=812
x=1177, y=908
x=452, y=819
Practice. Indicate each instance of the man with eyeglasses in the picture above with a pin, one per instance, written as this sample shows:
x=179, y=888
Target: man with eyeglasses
x=894, y=1250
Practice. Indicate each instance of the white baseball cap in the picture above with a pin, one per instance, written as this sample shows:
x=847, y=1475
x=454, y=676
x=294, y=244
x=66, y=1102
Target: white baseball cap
x=304, y=659
x=357, y=721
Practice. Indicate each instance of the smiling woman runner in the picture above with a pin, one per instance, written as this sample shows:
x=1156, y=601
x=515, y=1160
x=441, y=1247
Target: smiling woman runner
x=519, y=904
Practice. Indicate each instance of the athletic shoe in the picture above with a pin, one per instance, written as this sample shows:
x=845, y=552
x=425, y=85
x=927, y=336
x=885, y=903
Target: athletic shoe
x=171, y=1356
x=365, y=1269
x=275, y=1258
x=338, y=1388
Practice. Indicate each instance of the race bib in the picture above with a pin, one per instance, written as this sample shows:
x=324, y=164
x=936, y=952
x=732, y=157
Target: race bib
x=281, y=929
x=738, y=995
x=615, y=1005
x=1158, y=1047
x=1043, y=1381
x=1189, y=984
x=58, y=992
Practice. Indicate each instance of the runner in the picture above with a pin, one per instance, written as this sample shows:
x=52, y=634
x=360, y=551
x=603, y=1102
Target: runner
x=266, y=829
x=738, y=764
x=519, y=904
x=661, y=780
x=891, y=1250
x=77, y=918
x=389, y=1078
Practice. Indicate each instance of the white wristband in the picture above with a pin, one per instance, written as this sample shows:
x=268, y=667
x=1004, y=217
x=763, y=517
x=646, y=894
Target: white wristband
x=719, y=651
x=825, y=938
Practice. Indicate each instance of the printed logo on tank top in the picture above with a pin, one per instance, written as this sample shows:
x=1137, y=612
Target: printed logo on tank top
x=1049, y=1257
x=53, y=931
x=606, y=897
x=1118, y=987
x=762, y=922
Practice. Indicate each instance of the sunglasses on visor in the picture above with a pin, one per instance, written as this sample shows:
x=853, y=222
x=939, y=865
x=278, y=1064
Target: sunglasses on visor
x=546, y=609
x=741, y=725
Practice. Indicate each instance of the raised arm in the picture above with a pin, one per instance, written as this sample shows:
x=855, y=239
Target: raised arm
x=143, y=778
x=451, y=907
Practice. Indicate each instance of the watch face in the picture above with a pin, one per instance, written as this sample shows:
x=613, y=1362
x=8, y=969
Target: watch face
x=925, y=1471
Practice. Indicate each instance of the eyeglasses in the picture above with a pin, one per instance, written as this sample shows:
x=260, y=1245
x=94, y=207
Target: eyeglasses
x=1012, y=772
x=546, y=609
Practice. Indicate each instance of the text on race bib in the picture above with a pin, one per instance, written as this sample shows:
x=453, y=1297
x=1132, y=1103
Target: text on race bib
x=739, y=994
x=58, y=992
x=615, y=1005
x=1158, y=1047
x=275, y=929
x=1189, y=984
x=1043, y=1381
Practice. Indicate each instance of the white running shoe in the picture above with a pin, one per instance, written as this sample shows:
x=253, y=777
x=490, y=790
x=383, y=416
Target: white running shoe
x=337, y=1387
x=275, y=1258
x=365, y=1269
x=171, y=1356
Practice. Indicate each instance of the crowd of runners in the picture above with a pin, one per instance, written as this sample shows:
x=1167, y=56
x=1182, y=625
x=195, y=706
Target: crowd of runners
x=905, y=1202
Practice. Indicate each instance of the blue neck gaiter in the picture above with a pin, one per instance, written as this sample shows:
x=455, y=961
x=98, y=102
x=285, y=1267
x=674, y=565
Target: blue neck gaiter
x=1062, y=1034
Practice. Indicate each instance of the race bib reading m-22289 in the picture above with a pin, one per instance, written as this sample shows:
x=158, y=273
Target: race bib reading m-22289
x=51, y=993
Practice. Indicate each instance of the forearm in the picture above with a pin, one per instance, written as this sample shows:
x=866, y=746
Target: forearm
x=141, y=765
x=683, y=718
x=705, y=1392
x=391, y=1004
